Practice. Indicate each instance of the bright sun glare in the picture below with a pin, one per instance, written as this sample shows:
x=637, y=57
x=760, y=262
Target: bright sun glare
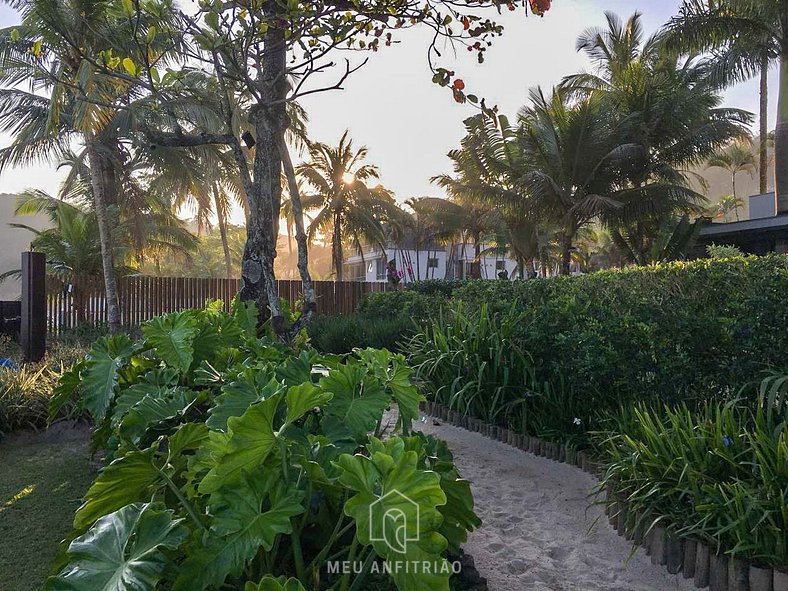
x=348, y=178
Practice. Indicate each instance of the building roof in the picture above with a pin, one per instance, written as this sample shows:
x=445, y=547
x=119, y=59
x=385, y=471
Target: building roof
x=771, y=224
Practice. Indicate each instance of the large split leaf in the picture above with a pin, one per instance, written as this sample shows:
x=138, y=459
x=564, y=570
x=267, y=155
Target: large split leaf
x=172, y=337
x=252, y=386
x=297, y=370
x=248, y=516
x=302, y=399
x=152, y=410
x=358, y=403
x=250, y=439
x=396, y=511
x=395, y=375
x=129, y=479
x=122, y=551
x=245, y=314
x=157, y=382
x=102, y=369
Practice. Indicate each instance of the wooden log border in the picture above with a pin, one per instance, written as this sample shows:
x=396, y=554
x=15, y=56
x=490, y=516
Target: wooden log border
x=693, y=558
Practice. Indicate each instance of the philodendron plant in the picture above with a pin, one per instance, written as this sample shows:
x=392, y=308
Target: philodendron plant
x=234, y=463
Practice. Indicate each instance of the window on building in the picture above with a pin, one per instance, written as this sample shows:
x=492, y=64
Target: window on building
x=432, y=263
x=500, y=265
x=355, y=272
x=381, y=272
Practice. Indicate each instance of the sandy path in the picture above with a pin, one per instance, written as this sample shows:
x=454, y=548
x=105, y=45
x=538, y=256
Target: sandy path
x=538, y=531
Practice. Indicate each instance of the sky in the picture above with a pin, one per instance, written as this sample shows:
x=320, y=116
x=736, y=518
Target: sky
x=408, y=123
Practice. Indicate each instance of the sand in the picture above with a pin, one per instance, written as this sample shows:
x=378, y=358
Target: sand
x=540, y=529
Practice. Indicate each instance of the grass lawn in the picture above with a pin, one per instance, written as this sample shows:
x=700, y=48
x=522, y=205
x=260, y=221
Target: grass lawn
x=42, y=479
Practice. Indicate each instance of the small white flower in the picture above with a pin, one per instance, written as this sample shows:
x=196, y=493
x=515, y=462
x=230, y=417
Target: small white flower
x=577, y=421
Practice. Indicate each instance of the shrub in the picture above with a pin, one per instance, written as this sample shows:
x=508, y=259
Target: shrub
x=233, y=460
x=442, y=287
x=719, y=474
x=473, y=363
x=342, y=334
x=417, y=306
x=678, y=331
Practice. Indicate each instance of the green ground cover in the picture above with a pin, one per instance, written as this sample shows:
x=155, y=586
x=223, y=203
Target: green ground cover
x=43, y=477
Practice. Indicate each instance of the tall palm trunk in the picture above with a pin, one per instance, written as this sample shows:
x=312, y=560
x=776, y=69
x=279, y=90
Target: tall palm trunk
x=781, y=140
x=336, y=246
x=297, y=210
x=102, y=176
x=222, y=222
x=763, y=148
x=566, y=253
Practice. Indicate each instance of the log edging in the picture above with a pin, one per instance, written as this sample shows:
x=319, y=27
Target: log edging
x=694, y=559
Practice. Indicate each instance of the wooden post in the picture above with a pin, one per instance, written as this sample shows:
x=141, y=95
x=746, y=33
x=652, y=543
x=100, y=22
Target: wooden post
x=34, y=313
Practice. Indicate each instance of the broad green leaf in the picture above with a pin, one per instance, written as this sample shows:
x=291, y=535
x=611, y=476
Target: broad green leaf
x=272, y=584
x=395, y=375
x=396, y=511
x=358, y=403
x=216, y=332
x=152, y=410
x=158, y=382
x=296, y=370
x=172, y=336
x=129, y=66
x=129, y=479
x=250, y=439
x=69, y=382
x=248, y=516
x=302, y=399
x=252, y=386
x=122, y=551
x=101, y=373
x=245, y=313
x=459, y=517
x=189, y=436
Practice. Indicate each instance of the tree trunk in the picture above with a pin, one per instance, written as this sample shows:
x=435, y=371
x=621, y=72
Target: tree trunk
x=476, y=265
x=763, y=148
x=336, y=246
x=310, y=302
x=222, y=222
x=102, y=177
x=566, y=253
x=269, y=117
x=781, y=140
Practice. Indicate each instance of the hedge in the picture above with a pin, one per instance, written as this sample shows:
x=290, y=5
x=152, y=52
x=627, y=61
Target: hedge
x=697, y=328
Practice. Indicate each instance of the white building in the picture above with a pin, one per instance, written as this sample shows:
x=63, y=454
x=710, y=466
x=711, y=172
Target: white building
x=454, y=261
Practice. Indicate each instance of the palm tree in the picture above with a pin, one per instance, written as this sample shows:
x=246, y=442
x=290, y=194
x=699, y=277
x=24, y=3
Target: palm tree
x=571, y=164
x=349, y=210
x=726, y=205
x=70, y=97
x=735, y=158
x=668, y=117
x=487, y=169
x=746, y=38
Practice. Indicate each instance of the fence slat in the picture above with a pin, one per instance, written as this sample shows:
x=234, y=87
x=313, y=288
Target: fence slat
x=140, y=298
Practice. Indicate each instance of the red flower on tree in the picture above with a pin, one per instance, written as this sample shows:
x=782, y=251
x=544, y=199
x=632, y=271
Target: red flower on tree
x=539, y=7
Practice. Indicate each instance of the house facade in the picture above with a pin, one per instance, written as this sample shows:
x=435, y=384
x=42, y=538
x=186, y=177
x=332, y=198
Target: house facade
x=434, y=261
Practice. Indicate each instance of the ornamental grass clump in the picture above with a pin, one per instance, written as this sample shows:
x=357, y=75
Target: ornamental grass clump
x=718, y=473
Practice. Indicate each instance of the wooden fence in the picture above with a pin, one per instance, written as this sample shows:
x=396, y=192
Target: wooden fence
x=141, y=298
